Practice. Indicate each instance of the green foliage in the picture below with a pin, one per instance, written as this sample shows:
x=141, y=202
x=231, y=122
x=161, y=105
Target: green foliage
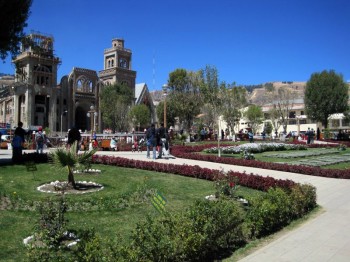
x=170, y=112
x=255, y=116
x=269, y=213
x=268, y=128
x=233, y=100
x=63, y=158
x=52, y=223
x=326, y=93
x=226, y=186
x=303, y=200
x=140, y=115
x=247, y=155
x=198, y=234
x=92, y=247
x=15, y=14
x=277, y=208
x=115, y=102
x=184, y=96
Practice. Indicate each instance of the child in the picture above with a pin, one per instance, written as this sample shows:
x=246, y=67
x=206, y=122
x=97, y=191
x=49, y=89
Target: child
x=95, y=144
x=135, y=146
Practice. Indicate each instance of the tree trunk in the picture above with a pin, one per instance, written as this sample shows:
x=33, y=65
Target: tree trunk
x=325, y=122
x=71, y=180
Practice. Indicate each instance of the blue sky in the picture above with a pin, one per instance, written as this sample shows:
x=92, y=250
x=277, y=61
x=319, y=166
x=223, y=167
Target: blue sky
x=248, y=41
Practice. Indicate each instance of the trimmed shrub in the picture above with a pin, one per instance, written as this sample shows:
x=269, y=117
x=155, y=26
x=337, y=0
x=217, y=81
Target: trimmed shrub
x=199, y=234
x=269, y=213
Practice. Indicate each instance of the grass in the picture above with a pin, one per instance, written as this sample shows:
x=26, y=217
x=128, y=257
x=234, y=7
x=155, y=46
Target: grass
x=20, y=185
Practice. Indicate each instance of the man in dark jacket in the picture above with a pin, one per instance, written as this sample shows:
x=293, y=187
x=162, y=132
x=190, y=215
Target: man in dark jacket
x=151, y=141
x=74, y=135
x=17, y=143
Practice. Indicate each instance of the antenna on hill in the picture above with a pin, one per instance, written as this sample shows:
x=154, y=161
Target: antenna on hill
x=154, y=71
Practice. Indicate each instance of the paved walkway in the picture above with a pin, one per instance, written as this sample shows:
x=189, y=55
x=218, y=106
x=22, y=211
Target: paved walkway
x=324, y=238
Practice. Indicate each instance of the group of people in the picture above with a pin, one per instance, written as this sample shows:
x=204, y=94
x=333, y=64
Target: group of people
x=19, y=138
x=156, y=138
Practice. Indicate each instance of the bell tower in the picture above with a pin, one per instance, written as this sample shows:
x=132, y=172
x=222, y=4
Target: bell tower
x=117, y=65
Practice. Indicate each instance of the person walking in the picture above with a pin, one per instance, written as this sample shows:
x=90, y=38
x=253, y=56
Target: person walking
x=39, y=140
x=318, y=133
x=74, y=135
x=151, y=141
x=17, y=143
x=160, y=136
x=251, y=136
x=308, y=134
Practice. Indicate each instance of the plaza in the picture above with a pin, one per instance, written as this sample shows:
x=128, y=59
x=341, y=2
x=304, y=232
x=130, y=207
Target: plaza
x=323, y=237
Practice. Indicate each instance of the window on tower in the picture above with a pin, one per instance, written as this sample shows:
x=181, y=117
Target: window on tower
x=123, y=63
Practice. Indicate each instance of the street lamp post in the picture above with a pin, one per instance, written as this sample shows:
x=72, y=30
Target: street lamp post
x=92, y=114
x=165, y=87
x=62, y=121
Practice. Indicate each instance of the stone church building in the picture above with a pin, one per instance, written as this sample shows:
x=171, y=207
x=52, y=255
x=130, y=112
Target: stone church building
x=34, y=98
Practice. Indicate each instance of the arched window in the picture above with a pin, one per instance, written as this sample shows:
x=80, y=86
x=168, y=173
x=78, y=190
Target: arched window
x=112, y=63
x=91, y=88
x=79, y=85
x=109, y=63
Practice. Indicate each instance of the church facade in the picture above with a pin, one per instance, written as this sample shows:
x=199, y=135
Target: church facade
x=35, y=98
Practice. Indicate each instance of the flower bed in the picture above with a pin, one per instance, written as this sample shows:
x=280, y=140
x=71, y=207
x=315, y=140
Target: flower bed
x=189, y=153
x=249, y=180
x=256, y=148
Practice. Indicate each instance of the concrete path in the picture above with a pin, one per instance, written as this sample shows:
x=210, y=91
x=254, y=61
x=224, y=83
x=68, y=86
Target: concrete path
x=324, y=238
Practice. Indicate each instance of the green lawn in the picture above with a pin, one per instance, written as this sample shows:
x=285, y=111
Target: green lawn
x=101, y=210
x=271, y=157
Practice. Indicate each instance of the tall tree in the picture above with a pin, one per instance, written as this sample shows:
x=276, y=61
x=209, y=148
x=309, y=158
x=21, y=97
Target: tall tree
x=282, y=101
x=170, y=113
x=184, y=95
x=212, y=91
x=326, y=93
x=13, y=17
x=234, y=99
x=140, y=116
x=255, y=116
x=116, y=101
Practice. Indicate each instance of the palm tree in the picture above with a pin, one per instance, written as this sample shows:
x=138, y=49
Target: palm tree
x=63, y=158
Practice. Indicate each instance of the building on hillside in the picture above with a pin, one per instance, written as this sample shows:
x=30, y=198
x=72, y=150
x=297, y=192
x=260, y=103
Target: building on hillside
x=298, y=121
x=34, y=98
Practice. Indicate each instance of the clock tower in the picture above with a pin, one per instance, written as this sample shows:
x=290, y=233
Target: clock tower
x=117, y=65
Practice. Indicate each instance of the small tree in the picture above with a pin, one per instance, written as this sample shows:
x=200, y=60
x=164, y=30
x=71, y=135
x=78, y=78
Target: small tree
x=282, y=99
x=255, y=116
x=234, y=100
x=116, y=101
x=69, y=159
x=140, y=115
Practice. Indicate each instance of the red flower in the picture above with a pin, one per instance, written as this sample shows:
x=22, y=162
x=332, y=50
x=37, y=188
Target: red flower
x=232, y=184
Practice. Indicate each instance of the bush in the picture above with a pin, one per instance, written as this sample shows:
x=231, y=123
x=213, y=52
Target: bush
x=269, y=213
x=198, y=234
x=303, y=200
